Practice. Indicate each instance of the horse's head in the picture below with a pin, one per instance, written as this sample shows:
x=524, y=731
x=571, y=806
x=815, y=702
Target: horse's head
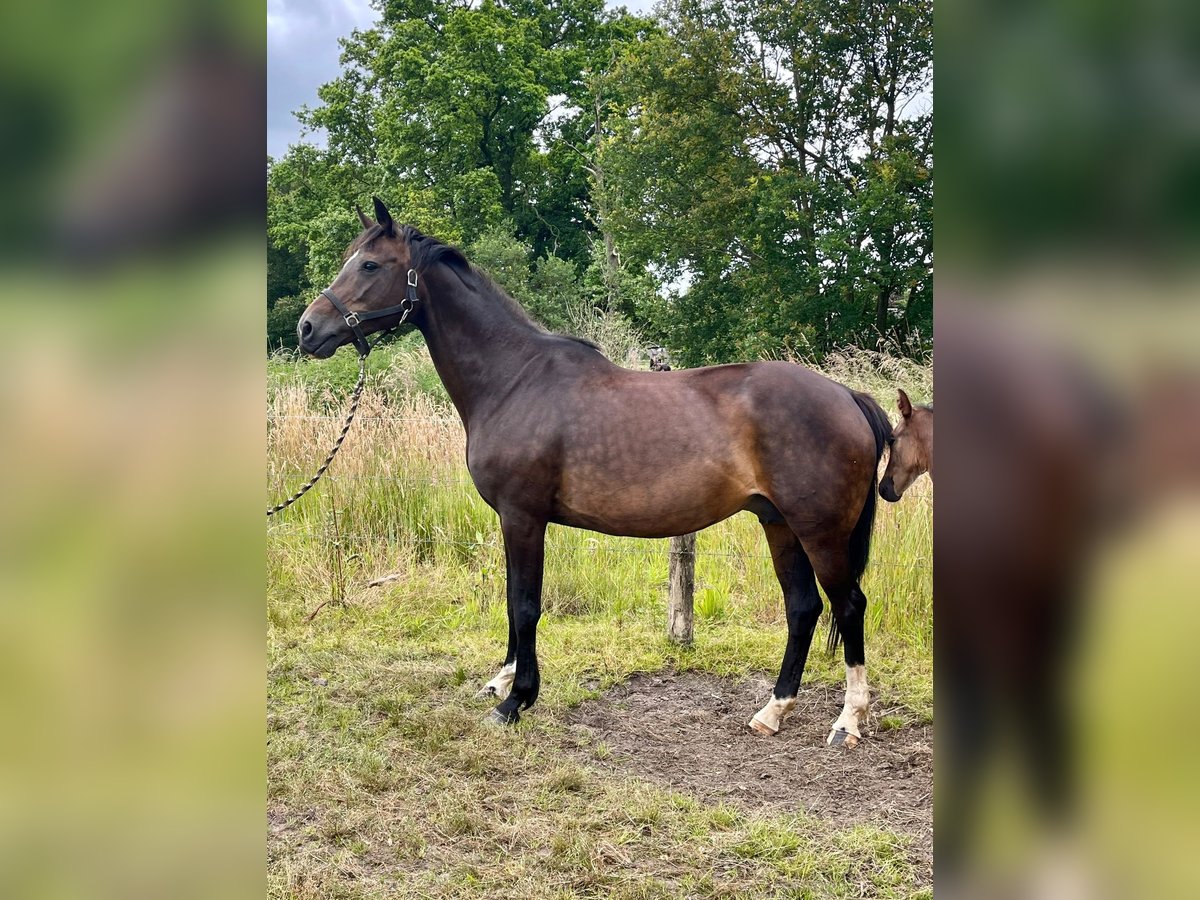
x=374, y=277
x=911, y=449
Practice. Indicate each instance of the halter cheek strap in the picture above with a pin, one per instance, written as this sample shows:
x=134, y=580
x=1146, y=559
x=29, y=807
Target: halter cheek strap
x=355, y=319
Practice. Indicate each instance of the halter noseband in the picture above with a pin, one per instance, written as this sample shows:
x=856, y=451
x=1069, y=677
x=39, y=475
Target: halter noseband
x=354, y=319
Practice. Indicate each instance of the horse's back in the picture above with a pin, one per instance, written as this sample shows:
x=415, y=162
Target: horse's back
x=788, y=402
x=669, y=452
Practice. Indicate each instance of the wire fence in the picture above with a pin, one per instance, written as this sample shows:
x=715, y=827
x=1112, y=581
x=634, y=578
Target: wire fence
x=432, y=481
x=438, y=420
x=590, y=546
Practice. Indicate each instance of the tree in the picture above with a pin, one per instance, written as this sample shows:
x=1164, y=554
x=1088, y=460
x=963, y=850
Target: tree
x=736, y=178
x=769, y=162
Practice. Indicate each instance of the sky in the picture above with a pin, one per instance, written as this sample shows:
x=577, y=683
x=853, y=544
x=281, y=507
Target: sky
x=303, y=51
x=302, y=54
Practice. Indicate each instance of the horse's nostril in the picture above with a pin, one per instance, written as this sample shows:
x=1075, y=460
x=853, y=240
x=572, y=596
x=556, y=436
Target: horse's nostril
x=305, y=329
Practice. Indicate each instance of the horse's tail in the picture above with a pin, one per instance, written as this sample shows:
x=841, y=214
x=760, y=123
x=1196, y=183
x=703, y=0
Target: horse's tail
x=860, y=537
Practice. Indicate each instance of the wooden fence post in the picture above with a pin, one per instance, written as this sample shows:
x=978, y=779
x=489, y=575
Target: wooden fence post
x=682, y=590
x=682, y=567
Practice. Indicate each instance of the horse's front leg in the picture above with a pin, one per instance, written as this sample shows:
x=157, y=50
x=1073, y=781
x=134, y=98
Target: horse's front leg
x=524, y=553
x=500, y=685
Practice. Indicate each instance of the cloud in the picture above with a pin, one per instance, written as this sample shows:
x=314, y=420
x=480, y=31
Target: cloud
x=302, y=54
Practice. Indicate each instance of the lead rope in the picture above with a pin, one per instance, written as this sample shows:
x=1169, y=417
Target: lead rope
x=353, y=319
x=362, y=379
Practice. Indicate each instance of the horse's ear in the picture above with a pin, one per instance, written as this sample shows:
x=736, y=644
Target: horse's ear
x=903, y=404
x=384, y=217
x=363, y=217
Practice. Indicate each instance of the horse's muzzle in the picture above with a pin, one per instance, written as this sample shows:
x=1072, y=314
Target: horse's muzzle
x=317, y=341
x=887, y=490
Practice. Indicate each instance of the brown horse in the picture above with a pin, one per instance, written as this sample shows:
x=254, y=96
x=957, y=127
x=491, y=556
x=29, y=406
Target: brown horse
x=910, y=452
x=555, y=434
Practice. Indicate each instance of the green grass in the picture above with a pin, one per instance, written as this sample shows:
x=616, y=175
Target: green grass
x=383, y=781
x=401, y=366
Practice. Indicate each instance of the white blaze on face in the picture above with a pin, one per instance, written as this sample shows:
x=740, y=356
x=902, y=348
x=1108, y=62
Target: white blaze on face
x=771, y=715
x=353, y=256
x=858, y=700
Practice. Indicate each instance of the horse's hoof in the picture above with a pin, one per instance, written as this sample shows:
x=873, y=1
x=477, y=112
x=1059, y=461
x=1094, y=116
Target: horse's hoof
x=499, y=719
x=840, y=737
x=762, y=727
x=486, y=692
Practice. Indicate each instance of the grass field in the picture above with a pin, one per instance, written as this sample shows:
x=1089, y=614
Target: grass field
x=383, y=781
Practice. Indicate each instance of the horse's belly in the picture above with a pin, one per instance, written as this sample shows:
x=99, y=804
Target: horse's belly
x=637, y=523
x=654, y=503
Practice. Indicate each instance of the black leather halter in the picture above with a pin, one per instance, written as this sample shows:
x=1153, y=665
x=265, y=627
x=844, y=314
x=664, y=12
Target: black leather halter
x=354, y=319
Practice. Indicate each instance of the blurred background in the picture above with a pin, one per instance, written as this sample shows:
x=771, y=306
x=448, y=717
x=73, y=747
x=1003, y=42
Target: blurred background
x=1066, y=322
x=132, y=264
x=131, y=277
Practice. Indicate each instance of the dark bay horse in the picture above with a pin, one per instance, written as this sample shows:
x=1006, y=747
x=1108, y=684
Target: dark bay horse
x=910, y=449
x=555, y=434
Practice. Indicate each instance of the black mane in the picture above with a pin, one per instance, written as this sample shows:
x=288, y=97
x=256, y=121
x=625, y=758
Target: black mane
x=426, y=251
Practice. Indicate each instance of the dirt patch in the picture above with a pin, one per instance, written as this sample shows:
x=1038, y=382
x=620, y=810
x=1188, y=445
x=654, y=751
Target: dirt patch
x=688, y=731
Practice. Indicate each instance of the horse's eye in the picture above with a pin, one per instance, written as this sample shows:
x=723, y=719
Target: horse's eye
x=369, y=266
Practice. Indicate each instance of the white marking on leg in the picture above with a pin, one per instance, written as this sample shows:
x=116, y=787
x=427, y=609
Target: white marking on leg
x=858, y=701
x=500, y=685
x=768, y=719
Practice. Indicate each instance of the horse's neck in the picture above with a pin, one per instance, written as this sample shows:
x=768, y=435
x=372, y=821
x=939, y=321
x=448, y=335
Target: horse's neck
x=477, y=343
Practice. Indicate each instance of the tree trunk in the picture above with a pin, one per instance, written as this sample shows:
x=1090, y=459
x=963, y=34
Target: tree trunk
x=612, y=262
x=881, y=309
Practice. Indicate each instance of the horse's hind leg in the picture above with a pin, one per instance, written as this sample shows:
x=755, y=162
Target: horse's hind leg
x=803, y=606
x=831, y=560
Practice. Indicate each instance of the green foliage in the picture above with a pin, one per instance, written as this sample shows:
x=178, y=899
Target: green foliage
x=285, y=273
x=769, y=161
x=554, y=291
x=399, y=368
x=733, y=179
x=547, y=287
x=505, y=258
x=282, y=317
x=554, y=294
